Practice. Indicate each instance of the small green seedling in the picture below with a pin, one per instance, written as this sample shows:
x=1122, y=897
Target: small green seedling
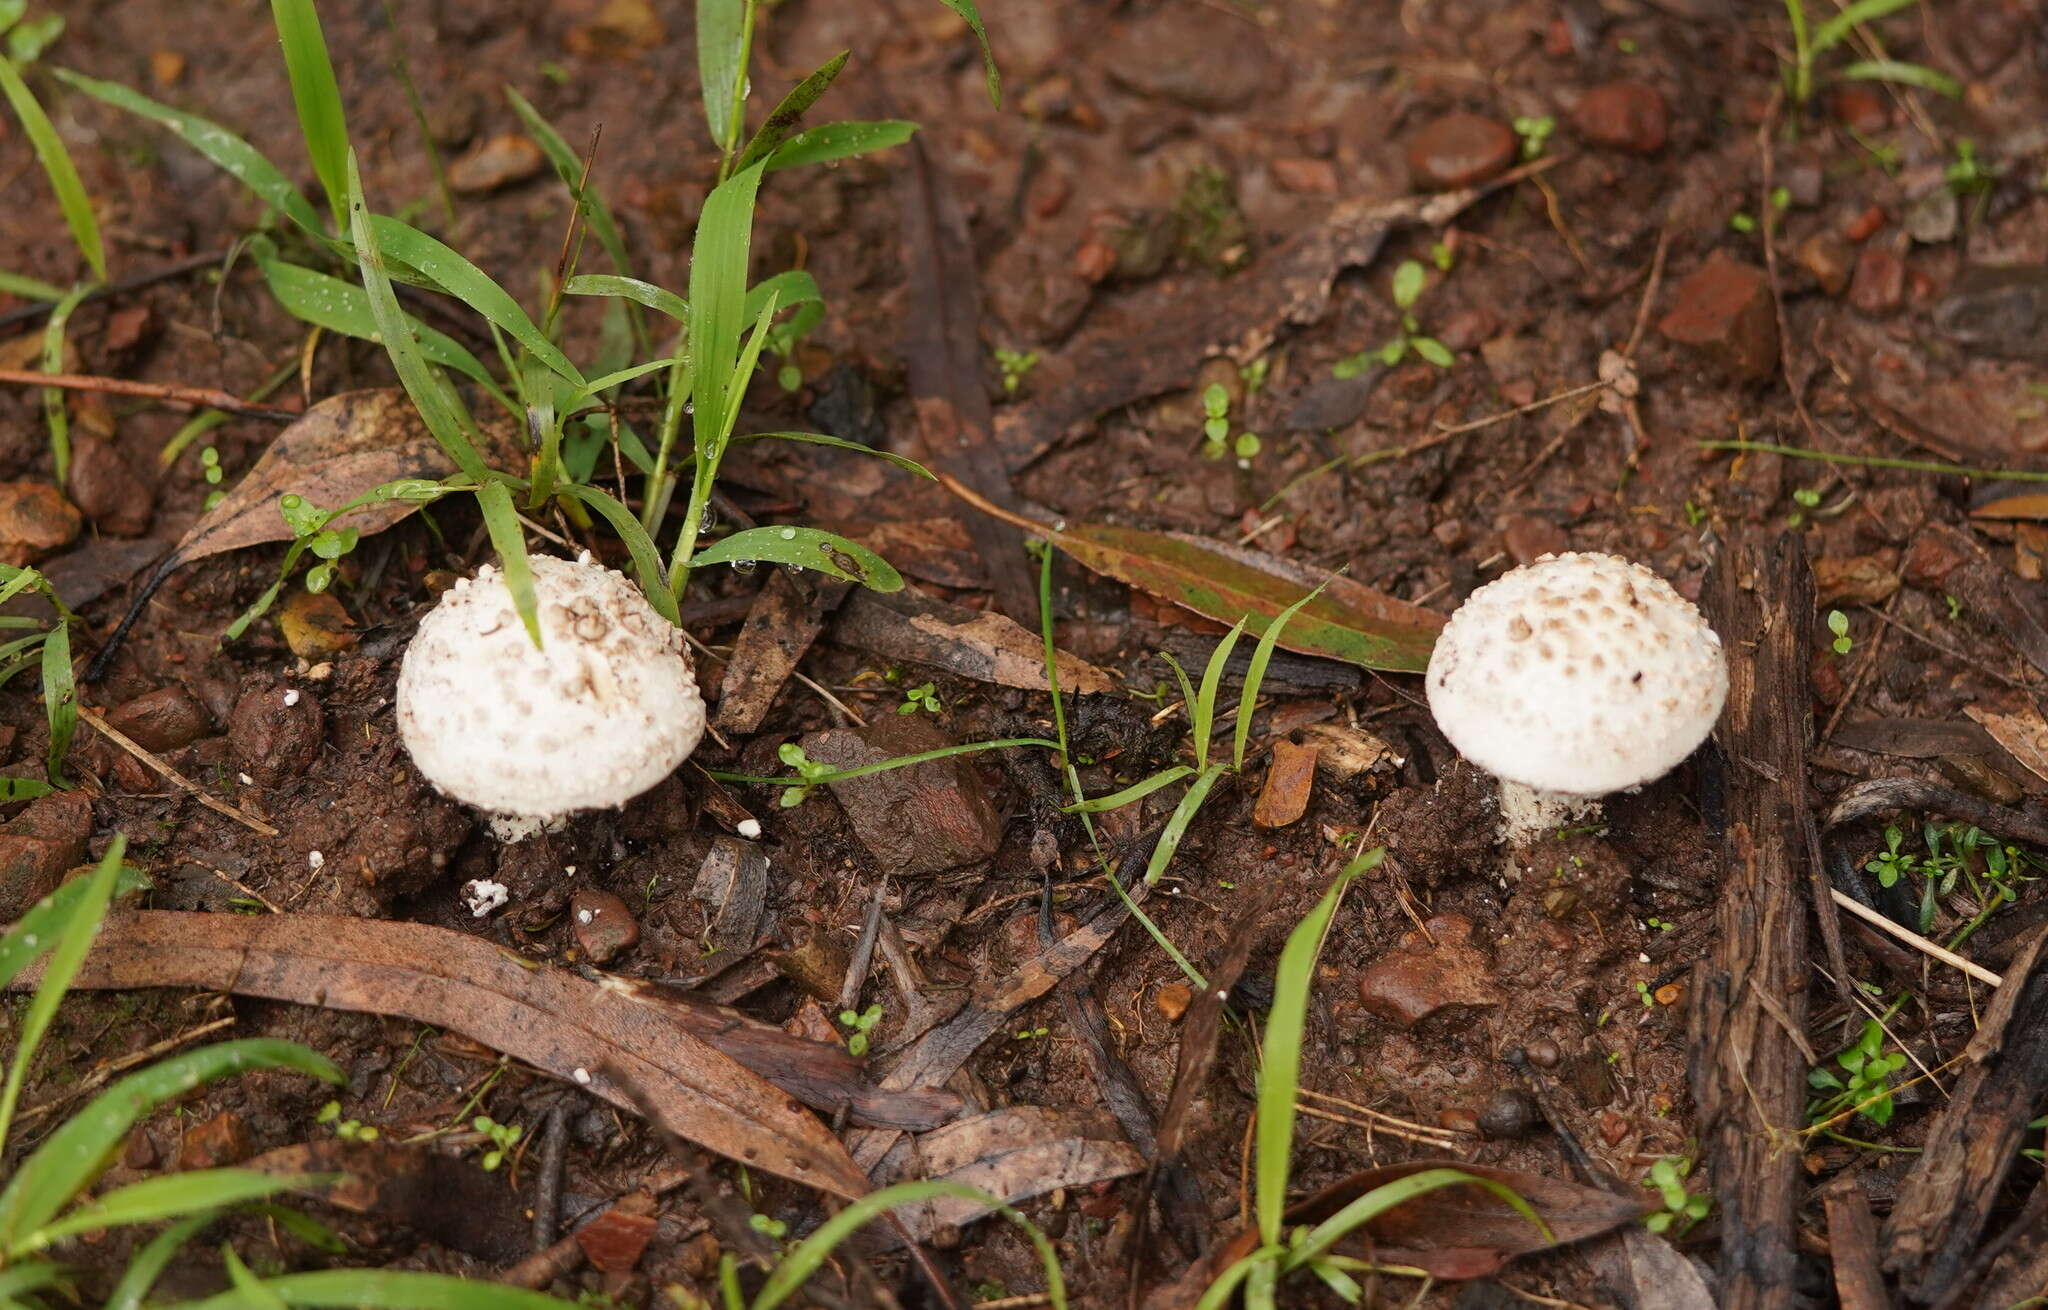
x=772, y=1229
x=1409, y=279
x=919, y=698
x=1655, y=924
x=1016, y=366
x=862, y=1023
x=1442, y=255
x=209, y=462
x=1810, y=42
x=1838, y=623
x=1031, y=1034
x=1864, y=1085
x=1968, y=175
x=810, y=770
x=1216, y=439
x=348, y=1130
x=1678, y=1210
x=1255, y=374
x=503, y=1137
x=1645, y=995
x=1535, y=134
x=1741, y=221
x=1806, y=498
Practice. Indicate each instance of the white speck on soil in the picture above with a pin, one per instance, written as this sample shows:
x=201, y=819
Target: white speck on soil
x=291, y=698
x=315, y=860
x=482, y=896
x=245, y=780
x=750, y=829
x=582, y=1076
x=584, y=916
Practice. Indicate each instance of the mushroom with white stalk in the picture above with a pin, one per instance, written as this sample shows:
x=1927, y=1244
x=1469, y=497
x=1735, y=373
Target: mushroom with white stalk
x=1573, y=677
x=603, y=709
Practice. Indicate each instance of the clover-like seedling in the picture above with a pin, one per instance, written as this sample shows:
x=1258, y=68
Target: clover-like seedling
x=605, y=707
x=919, y=698
x=810, y=770
x=503, y=1137
x=862, y=1022
x=1573, y=677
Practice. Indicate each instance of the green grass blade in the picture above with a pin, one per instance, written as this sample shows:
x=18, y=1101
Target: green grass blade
x=1893, y=70
x=743, y=371
x=60, y=698
x=718, y=296
x=590, y=389
x=646, y=557
x=1177, y=823
x=787, y=115
x=167, y=1196
x=318, y=98
x=1052, y=670
x=53, y=399
x=21, y=1279
x=1829, y=34
x=787, y=289
x=228, y=152
x=841, y=443
x=1363, y=1210
x=83, y=1145
x=57, y=166
x=721, y=66
x=1180, y=675
x=65, y=957
x=51, y=920
x=629, y=288
x=881, y=766
x=809, y=1255
x=1218, y=1294
x=1137, y=791
x=149, y=1263
x=1203, y=716
x=438, y=406
x=1255, y=676
x=966, y=9
x=472, y=286
x=344, y=307
x=1280, y=1072
x=28, y=288
x=568, y=166
x=254, y=1295
x=808, y=548
x=510, y=543
x=830, y=141
x=383, y=1289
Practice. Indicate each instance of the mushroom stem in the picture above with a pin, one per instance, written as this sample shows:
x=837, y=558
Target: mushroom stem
x=1526, y=813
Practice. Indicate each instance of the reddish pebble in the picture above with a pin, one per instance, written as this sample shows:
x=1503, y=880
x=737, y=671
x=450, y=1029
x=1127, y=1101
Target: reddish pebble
x=1048, y=194
x=1557, y=39
x=1459, y=150
x=1458, y=1120
x=1172, y=1001
x=1305, y=177
x=1529, y=538
x=1860, y=227
x=1625, y=116
x=1879, y=286
x=1613, y=1128
x=1724, y=309
x=1859, y=109
x=1095, y=260
x=603, y=925
x=220, y=1141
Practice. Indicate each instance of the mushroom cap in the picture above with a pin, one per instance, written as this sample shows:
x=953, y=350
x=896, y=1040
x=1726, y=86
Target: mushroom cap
x=606, y=707
x=1580, y=673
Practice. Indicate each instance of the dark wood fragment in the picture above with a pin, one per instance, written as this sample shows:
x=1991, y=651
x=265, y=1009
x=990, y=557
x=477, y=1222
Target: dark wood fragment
x=786, y=618
x=1878, y=795
x=1946, y=1201
x=1748, y=1052
x=1852, y=1246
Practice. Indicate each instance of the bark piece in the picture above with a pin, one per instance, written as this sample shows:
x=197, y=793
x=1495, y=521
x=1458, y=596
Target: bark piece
x=918, y=819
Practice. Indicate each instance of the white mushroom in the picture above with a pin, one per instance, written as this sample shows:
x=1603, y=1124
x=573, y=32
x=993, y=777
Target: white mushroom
x=605, y=708
x=1572, y=677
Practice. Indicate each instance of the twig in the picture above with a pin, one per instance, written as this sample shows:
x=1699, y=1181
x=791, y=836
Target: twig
x=100, y=1075
x=178, y=779
x=1764, y=132
x=1915, y=940
x=197, y=397
x=41, y=308
x=1635, y=335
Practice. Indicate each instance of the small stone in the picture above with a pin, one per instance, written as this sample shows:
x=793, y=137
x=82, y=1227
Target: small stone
x=106, y=489
x=1670, y=993
x=1467, y=329
x=1197, y=56
x=614, y=1241
x=1935, y=552
x=315, y=626
x=1853, y=580
x=1510, y=1114
x=1625, y=116
x=1172, y=1000
x=1861, y=227
x=1416, y=979
x=1458, y=1120
x=920, y=819
x=1879, y=286
x=1859, y=108
x=1724, y=310
x=1304, y=177
x=217, y=1143
x=1529, y=538
x=1095, y=260
x=139, y=1152
x=1827, y=257
x=1613, y=1128
x=166, y=67
x=37, y=848
x=1459, y=150
x=1048, y=193
x=1543, y=1053
x=162, y=720
x=623, y=29
x=495, y=162
x=1933, y=216
x=275, y=742
x=35, y=519
x=1289, y=783
x=605, y=929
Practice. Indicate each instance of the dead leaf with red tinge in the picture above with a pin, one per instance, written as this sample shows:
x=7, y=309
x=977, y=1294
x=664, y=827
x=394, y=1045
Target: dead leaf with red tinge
x=1015, y=1154
x=1289, y=782
x=2024, y=735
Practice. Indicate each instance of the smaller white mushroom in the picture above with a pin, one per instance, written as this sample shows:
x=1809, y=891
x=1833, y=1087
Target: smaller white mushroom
x=606, y=707
x=1573, y=677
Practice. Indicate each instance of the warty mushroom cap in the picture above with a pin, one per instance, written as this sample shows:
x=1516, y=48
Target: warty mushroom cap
x=606, y=707
x=1579, y=674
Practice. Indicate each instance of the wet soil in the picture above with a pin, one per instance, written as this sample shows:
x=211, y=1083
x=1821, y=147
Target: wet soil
x=1142, y=142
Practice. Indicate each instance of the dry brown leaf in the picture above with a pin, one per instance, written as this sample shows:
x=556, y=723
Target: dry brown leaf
x=604, y=1038
x=2024, y=735
x=1014, y=1154
x=908, y=625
